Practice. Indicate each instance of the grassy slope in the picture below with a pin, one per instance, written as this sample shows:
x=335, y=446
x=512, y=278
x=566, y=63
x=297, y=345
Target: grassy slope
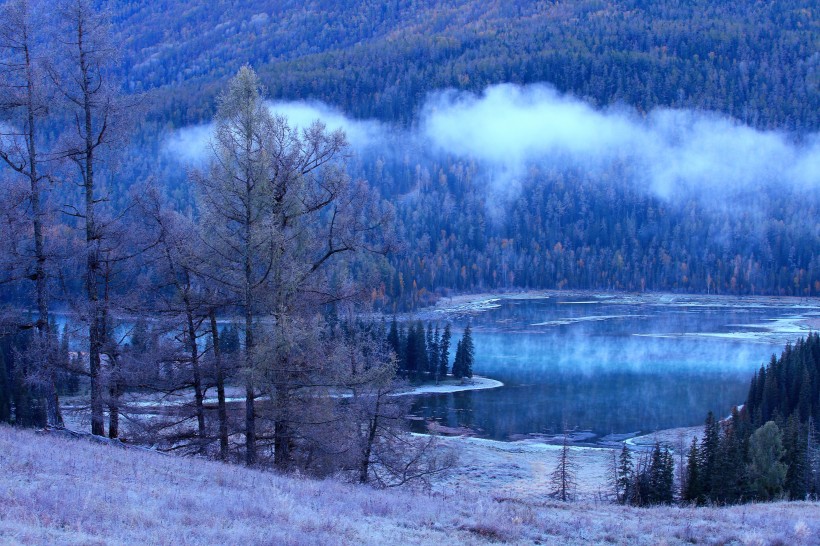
x=54, y=490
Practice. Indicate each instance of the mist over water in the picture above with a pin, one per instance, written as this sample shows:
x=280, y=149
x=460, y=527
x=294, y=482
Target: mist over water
x=605, y=368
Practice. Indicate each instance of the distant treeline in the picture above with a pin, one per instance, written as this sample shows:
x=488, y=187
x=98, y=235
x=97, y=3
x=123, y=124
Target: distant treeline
x=425, y=355
x=574, y=231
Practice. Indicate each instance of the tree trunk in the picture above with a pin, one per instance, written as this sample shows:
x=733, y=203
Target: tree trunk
x=220, y=390
x=96, y=314
x=54, y=417
x=281, y=440
x=198, y=396
x=364, y=469
x=114, y=403
x=250, y=408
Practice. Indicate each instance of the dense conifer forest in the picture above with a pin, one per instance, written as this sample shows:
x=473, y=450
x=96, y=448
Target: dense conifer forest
x=756, y=63
x=561, y=227
x=769, y=447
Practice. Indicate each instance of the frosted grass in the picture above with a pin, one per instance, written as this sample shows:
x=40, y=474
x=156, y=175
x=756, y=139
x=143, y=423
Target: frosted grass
x=61, y=491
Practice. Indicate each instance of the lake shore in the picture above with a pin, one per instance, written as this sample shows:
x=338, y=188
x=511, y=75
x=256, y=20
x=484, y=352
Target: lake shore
x=474, y=383
x=806, y=317
x=520, y=470
x=479, y=301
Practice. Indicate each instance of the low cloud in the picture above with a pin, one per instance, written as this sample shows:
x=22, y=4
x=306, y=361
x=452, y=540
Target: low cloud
x=670, y=151
x=192, y=145
x=508, y=128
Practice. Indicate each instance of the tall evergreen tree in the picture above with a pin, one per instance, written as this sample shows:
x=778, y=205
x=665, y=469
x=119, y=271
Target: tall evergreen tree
x=458, y=361
x=229, y=339
x=432, y=350
x=692, y=490
x=444, y=352
x=708, y=453
x=767, y=472
x=469, y=352
x=728, y=475
x=795, y=458
x=411, y=351
x=661, y=476
x=393, y=337
x=625, y=475
x=423, y=362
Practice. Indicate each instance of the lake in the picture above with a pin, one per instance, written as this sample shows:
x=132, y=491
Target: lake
x=611, y=364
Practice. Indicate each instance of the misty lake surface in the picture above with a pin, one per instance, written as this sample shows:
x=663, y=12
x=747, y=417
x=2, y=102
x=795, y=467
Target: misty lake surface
x=609, y=367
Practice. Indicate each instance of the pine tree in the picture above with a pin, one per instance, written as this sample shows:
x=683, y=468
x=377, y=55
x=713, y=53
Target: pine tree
x=393, y=337
x=444, y=352
x=423, y=364
x=411, y=357
x=469, y=352
x=795, y=458
x=626, y=470
x=229, y=339
x=458, y=361
x=661, y=476
x=692, y=490
x=708, y=453
x=433, y=339
x=139, y=337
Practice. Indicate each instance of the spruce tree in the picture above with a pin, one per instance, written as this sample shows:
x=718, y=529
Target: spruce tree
x=229, y=339
x=692, y=490
x=458, y=362
x=393, y=337
x=626, y=470
x=423, y=364
x=444, y=352
x=795, y=458
x=661, y=476
x=708, y=453
x=469, y=352
x=433, y=338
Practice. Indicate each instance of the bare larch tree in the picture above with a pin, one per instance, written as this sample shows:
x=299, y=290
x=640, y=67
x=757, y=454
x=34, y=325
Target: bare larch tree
x=23, y=101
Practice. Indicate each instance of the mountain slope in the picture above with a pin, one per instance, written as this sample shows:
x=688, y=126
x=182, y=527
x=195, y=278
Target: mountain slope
x=755, y=61
x=60, y=491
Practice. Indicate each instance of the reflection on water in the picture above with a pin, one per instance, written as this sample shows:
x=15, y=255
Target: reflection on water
x=608, y=368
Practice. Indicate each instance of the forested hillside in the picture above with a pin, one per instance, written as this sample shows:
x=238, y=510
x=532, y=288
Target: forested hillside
x=754, y=61
x=577, y=228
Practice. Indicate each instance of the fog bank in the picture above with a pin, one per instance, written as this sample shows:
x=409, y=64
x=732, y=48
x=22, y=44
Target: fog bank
x=508, y=128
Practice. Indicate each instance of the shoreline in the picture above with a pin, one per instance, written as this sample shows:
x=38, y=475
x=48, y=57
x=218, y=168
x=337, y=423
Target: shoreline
x=475, y=383
x=802, y=315
x=469, y=301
